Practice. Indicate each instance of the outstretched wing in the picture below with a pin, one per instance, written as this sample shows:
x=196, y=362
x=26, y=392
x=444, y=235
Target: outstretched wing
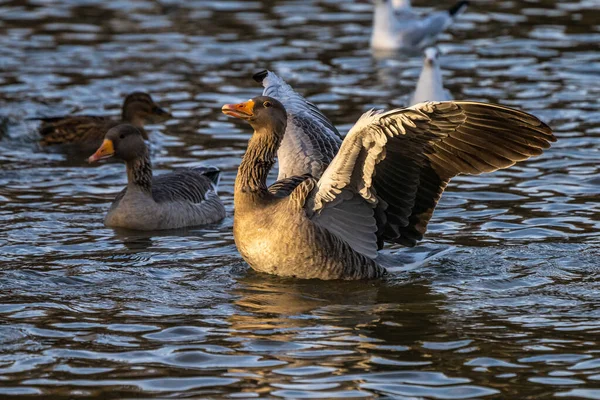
x=310, y=141
x=400, y=161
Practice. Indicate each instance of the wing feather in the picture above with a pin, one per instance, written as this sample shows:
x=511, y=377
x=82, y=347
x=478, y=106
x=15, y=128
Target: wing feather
x=400, y=161
x=188, y=185
x=310, y=141
x=352, y=220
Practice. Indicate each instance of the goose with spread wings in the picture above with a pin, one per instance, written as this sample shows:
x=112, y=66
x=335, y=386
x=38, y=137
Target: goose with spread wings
x=382, y=185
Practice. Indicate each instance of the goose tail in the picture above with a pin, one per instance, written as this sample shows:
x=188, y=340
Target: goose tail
x=212, y=173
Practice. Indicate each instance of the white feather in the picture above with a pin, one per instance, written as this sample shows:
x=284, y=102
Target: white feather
x=430, y=86
x=310, y=141
x=396, y=26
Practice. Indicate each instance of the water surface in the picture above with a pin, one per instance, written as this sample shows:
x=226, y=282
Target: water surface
x=511, y=311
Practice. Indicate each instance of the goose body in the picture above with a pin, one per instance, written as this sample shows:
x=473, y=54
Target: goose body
x=276, y=235
x=396, y=26
x=138, y=109
x=382, y=186
x=174, y=200
x=430, y=86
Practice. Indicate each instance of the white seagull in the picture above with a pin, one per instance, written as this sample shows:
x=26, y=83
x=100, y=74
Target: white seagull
x=430, y=86
x=396, y=26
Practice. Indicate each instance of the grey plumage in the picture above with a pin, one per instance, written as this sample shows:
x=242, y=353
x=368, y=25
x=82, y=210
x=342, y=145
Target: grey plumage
x=311, y=141
x=284, y=187
x=182, y=198
x=383, y=184
x=188, y=185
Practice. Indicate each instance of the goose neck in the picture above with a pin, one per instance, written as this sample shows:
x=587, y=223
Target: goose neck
x=139, y=173
x=257, y=162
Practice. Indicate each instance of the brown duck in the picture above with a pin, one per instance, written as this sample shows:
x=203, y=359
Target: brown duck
x=382, y=186
x=138, y=110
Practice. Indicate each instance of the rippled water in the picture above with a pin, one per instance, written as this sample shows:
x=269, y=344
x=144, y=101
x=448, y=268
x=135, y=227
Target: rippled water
x=511, y=311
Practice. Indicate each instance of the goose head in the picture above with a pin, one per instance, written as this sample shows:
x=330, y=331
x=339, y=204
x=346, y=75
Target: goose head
x=123, y=141
x=265, y=114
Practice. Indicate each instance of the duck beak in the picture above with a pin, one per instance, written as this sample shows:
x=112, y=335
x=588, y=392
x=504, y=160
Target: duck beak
x=160, y=115
x=242, y=110
x=106, y=150
x=164, y=113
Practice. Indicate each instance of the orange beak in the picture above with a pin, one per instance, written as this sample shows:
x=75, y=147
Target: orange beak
x=242, y=110
x=106, y=150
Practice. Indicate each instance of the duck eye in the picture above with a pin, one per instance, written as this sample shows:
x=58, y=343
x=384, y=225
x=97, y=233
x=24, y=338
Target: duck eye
x=122, y=136
x=267, y=104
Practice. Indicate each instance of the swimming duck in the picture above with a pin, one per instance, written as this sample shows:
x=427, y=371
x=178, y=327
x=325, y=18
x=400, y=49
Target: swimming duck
x=138, y=109
x=430, y=86
x=396, y=26
x=310, y=141
x=382, y=185
x=175, y=200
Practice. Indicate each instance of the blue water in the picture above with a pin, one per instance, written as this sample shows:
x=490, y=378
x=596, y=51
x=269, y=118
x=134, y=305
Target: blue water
x=512, y=310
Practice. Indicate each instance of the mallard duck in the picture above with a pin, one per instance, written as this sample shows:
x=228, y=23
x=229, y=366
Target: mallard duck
x=138, y=109
x=310, y=141
x=382, y=185
x=430, y=86
x=396, y=26
x=174, y=200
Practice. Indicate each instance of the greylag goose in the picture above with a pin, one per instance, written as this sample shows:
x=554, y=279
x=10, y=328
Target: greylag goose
x=382, y=185
x=310, y=141
x=396, y=26
x=138, y=109
x=175, y=200
x=430, y=86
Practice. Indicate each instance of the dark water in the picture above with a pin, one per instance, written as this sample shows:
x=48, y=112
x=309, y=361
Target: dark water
x=512, y=311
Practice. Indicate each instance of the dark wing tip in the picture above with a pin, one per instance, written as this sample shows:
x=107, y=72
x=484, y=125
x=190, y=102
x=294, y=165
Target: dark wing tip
x=548, y=134
x=538, y=128
x=545, y=132
x=458, y=7
x=259, y=76
x=211, y=173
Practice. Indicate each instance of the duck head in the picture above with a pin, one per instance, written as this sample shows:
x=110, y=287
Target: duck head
x=140, y=109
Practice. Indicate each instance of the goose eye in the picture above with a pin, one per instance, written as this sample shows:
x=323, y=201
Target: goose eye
x=122, y=136
x=267, y=104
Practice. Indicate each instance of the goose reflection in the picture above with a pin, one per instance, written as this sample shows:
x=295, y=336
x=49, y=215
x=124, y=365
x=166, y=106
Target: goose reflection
x=384, y=311
x=134, y=240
